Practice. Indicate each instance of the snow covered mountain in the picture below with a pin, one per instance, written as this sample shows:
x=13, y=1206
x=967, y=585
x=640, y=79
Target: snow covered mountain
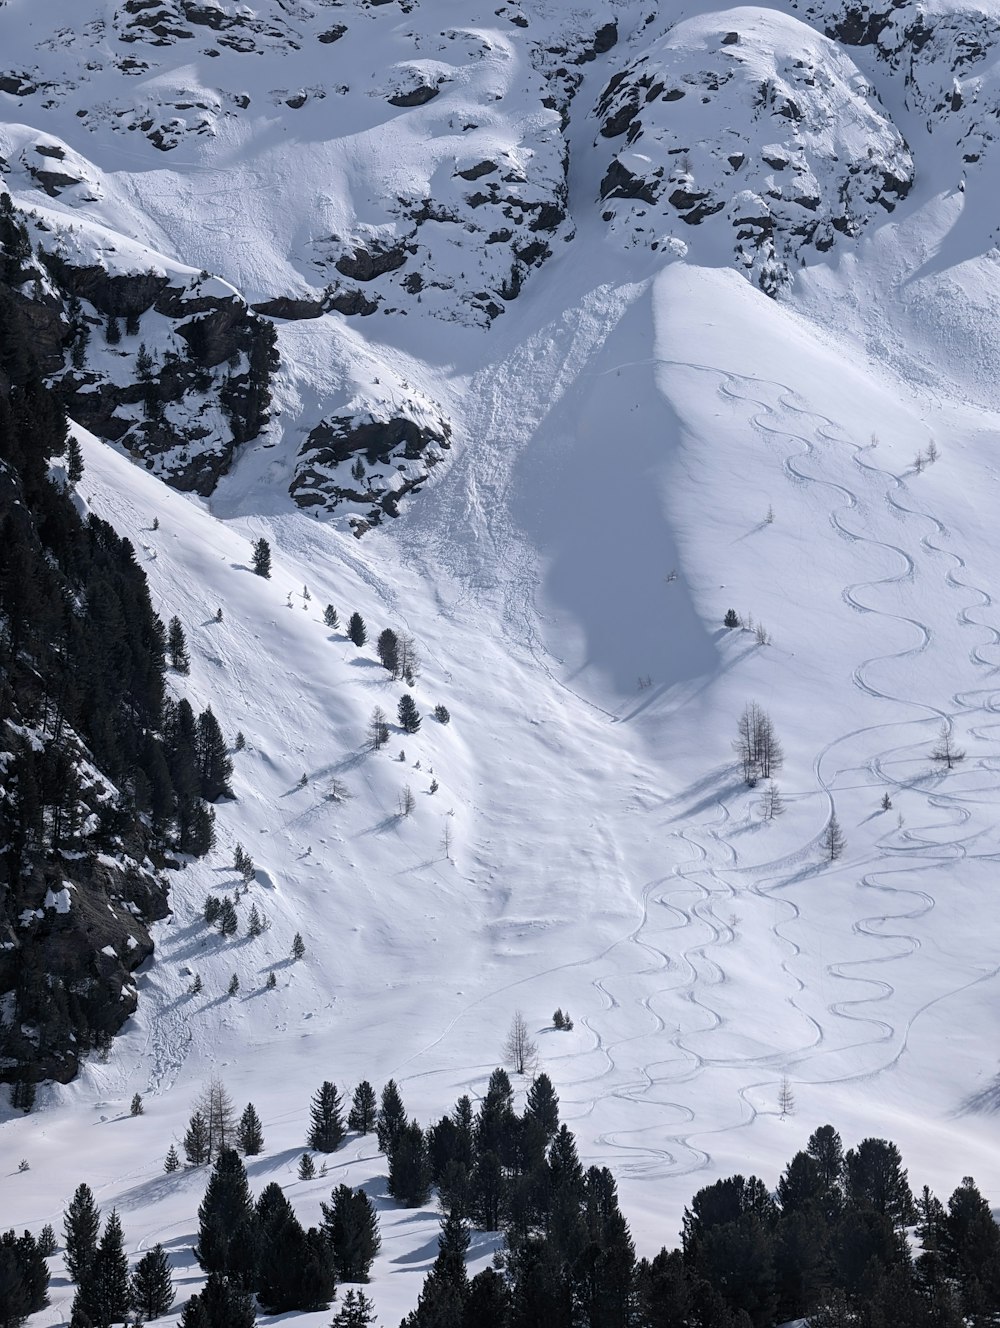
x=628, y=318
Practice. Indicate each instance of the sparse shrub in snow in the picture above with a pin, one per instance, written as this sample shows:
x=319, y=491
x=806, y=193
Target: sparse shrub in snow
x=196, y=984
x=434, y=786
x=441, y=714
x=136, y=1109
x=763, y=637
x=218, y=615
x=272, y=981
x=234, y=985
x=24, y=1165
x=886, y=803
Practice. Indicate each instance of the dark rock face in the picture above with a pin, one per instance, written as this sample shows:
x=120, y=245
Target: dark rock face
x=225, y=357
x=418, y=96
x=72, y=969
x=375, y=261
x=392, y=458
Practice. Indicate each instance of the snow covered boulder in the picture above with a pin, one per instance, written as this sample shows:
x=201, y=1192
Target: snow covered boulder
x=759, y=129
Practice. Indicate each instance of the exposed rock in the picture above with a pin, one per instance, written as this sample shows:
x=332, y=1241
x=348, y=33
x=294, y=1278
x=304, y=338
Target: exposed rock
x=286, y=306
x=368, y=263
x=418, y=96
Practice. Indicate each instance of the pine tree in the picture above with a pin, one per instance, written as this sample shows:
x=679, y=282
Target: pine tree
x=225, y=1219
x=81, y=1226
x=298, y=946
x=356, y=629
x=249, y=1132
x=222, y=1304
x=219, y=1114
x=152, y=1291
x=104, y=1287
x=234, y=985
x=409, y=1167
x=388, y=651
x=326, y=1128
x=731, y=620
x=47, y=1241
x=543, y=1104
x=177, y=647
x=197, y=1141
x=136, y=1108
x=350, y=1227
x=408, y=714
x=364, y=1109
x=214, y=764
x=307, y=1167
x=272, y=981
x=356, y=1311
x=391, y=1117
x=228, y=920
x=262, y=557
x=74, y=460
x=330, y=616
x=442, y=714
x=172, y=1160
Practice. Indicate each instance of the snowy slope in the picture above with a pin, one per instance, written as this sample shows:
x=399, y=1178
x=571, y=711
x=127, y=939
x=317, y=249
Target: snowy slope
x=642, y=442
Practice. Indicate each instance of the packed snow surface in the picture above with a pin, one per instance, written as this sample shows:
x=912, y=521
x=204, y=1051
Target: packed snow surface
x=644, y=441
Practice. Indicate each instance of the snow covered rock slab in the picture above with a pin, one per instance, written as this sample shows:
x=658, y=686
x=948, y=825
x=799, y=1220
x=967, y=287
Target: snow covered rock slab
x=753, y=123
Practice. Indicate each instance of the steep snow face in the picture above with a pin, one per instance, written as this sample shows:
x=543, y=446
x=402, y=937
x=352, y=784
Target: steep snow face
x=756, y=128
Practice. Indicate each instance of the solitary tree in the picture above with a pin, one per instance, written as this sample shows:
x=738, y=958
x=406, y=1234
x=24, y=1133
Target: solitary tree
x=136, y=1108
x=249, y=1132
x=330, y=616
x=772, y=803
x=378, y=729
x=152, y=1291
x=834, y=842
x=356, y=629
x=81, y=1225
x=408, y=714
x=217, y=1110
x=946, y=751
x=298, y=946
x=177, y=647
x=262, y=557
x=786, y=1097
x=520, y=1052
x=364, y=1109
x=171, y=1162
x=388, y=651
x=326, y=1123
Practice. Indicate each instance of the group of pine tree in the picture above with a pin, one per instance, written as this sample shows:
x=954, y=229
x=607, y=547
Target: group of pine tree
x=840, y=1241
x=96, y=756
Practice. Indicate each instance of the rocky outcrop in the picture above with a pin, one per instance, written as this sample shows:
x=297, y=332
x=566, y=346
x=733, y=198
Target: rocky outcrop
x=771, y=135
x=364, y=466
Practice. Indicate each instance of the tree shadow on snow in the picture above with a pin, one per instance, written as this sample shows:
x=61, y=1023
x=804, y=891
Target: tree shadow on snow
x=986, y=1102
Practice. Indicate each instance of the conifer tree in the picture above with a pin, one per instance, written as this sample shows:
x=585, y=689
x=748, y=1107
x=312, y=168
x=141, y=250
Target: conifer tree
x=152, y=1291
x=46, y=1241
x=197, y=1142
x=225, y=1220
x=227, y=919
x=350, y=1227
x=262, y=557
x=326, y=1122
x=177, y=647
x=330, y=616
x=24, y=1278
x=81, y=1227
x=104, y=1287
x=307, y=1167
x=356, y=629
x=222, y=1304
x=234, y=985
x=136, y=1108
x=543, y=1104
x=834, y=842
x=171, y=1162
x=74, y=460
x=409, y=1167
x=364, y=1109
x=356, y=1311
x=388, y=651
x=298, y=946
x=391, y=1117
x=214, y=763
x=408, y=714
x=250, y=1133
